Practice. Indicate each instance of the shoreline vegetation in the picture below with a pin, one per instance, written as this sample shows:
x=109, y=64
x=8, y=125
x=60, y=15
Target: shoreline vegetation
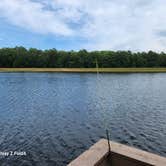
x=20, y=57
x=86, y=70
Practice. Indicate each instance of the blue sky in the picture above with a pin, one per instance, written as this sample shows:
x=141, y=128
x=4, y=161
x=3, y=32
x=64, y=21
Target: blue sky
x=137, y=25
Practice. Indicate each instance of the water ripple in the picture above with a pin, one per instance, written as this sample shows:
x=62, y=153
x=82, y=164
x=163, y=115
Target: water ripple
x=55, y=117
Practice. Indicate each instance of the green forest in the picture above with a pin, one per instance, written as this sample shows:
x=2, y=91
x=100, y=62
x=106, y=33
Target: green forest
x=21, y=57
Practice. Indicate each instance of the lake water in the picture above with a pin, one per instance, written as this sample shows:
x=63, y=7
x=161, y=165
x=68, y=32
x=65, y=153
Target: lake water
x=54, y=117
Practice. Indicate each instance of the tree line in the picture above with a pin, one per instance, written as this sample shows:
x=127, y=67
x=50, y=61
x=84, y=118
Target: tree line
x=22, y=57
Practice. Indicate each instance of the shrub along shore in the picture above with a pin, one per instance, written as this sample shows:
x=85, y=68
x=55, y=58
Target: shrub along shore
x=87, y=70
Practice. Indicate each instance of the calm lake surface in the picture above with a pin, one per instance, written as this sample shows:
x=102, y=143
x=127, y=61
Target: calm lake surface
x=54, y=117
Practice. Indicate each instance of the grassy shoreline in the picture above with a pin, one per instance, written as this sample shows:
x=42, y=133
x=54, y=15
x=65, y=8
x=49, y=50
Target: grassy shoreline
x=87, y=70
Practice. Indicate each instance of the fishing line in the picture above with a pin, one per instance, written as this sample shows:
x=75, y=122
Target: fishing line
x=104, y=109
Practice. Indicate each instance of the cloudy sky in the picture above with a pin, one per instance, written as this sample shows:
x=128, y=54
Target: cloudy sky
x=137, y=25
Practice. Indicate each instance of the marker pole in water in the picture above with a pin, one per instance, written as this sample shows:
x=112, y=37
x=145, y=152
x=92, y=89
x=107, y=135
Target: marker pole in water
x=108, y=139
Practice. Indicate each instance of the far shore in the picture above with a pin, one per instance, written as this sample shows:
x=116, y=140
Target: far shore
x=87, y=70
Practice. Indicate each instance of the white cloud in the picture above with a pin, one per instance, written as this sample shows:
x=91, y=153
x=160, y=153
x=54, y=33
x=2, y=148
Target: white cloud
x=137, y=25
x=117, y=24
x=32, y=16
